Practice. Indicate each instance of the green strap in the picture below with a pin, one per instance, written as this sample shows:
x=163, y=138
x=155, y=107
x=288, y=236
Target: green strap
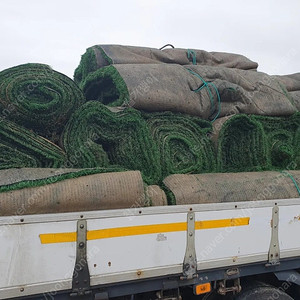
x=192, y=53
x=207, y=86
x=293, y=179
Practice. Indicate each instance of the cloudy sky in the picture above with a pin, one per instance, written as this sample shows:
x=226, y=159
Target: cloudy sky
x=57, y=32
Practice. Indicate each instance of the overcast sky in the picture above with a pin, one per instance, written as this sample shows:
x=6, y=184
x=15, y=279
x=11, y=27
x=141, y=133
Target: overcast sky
x=57, y=32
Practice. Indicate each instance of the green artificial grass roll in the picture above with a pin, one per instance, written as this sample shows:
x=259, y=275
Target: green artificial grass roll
x=107, y=86
x=93, y=59
x=98, y=137
x=242, y=145
x=21, y=148
x=38, y=98
x=183, y=143
x=283, y=142
x=255, y=143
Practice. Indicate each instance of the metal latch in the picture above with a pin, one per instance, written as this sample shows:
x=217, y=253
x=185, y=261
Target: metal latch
x=223, y=289
x=274, y=251
x=81, y=274
x=190, y=259
x=169, y=295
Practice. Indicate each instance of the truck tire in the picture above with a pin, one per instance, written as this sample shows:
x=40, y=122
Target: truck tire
x=215, y=296
x=263, y=293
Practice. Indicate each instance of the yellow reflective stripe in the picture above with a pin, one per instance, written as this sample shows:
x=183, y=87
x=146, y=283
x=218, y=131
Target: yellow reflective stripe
x=49, y=238
x=210, y=224
x=135, y=230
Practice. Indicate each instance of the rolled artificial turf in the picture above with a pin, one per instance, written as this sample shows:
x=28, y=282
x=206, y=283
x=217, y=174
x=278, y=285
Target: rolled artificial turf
x=283, y=140
x=21, y=148
x=53, y=176
x=183, y=143
x=107, y=86
x=99, y=56
x=203, y=91
x=89, y=64
x=98, y=137
x=231, y=187
x=38, y=98
x=256, y=143
x=104, y=191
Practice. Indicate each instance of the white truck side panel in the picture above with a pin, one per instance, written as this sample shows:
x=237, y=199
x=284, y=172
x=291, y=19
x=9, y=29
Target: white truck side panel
x=30, y=266
x=289, y=228
x=24, y=260
x=233, y=243
x=133, y=253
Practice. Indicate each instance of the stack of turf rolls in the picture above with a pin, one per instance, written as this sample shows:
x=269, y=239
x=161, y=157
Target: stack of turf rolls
x=160, y=112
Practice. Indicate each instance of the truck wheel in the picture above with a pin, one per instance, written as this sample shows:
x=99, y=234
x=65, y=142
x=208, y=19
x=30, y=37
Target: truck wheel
x=263, y=293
